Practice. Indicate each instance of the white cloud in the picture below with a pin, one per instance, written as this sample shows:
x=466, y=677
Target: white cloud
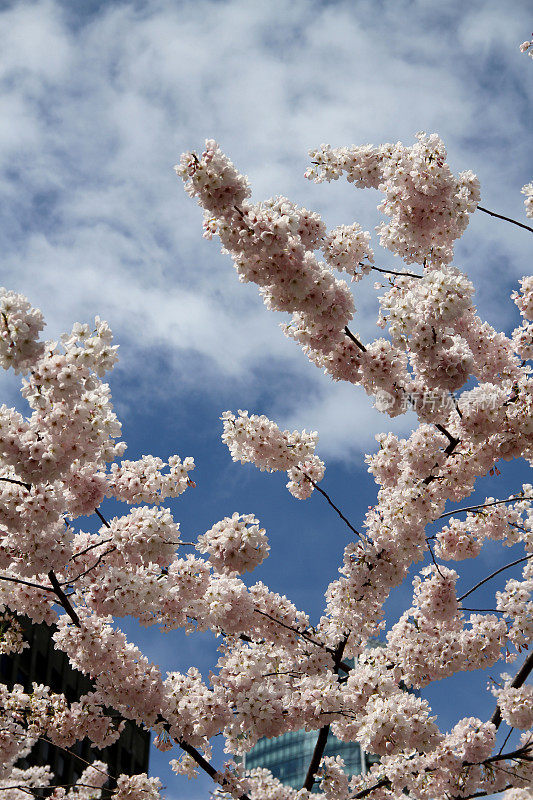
x=96, y=113
x=346, y=421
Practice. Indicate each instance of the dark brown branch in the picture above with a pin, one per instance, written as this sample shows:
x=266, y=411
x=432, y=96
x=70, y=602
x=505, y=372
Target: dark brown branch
x=452, y=440
x=520, y=753
x=205, y=765
x=89, y=569
x=350, y=335
x=449, y=450
x=507, y=219
x=322, y=739
x=98, y=514
x=63, y=599
x=303, y=634
x=518, y=681
x=334, y=507
x=89, y=548
x=493, y=575
x=370, y=789
x=316, y=757
x=394, y=272
x=433, y=559
x=19, y=483
x=26, y=583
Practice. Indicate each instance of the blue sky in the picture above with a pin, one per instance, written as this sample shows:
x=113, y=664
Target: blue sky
x=99, y=99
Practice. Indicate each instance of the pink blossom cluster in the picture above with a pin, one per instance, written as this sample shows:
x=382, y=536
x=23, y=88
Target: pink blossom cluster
x=527, y=190
x=144, y=536
x=235, y=544
x=463, y=538
x=20, y=327
x=271, y=243
x=516, y=705
x=88, y=786
x=258, y=440
x=428, y=207
x=346, y=248
x=144, y=481
x=11, y=635
x=26, y=716
x=137, y=787
x=516, y=603
x=524, y=298
x=525, y=48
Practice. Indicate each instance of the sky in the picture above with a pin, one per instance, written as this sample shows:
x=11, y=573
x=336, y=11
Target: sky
x=98, y=100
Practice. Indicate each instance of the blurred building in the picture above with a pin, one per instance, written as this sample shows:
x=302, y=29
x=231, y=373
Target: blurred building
x=42, y=663
x=288, y=756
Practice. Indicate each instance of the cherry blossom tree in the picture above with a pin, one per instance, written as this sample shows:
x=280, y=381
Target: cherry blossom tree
x=471, y=389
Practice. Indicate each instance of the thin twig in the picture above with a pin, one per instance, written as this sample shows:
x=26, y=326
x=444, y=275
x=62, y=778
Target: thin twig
x=520, y=752
x=507, y=219
x=433, y=559
x=484, y=505
x=394, y=272
x=304, y=635
x=89, y=548
x=506, y=740
x=332, y=504
x=493, y=574
x=26, y=583
x=89, y=569
x=70, y=753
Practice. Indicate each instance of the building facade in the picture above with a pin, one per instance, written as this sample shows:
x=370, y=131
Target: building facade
x=41, y=663
x=288, y=756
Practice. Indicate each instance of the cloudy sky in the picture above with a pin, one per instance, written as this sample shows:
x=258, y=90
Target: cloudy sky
x=98, y=100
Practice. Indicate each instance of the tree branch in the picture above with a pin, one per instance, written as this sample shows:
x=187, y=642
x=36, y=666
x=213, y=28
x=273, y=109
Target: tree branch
x=484, y=505
x=394, y=272
x=350, y=335
x=65, y=602
x=89, y=569
x=318, y=752
x=518, y=681
x=507, y=219
x=452, y=440
x=98, y=514
x=303, y=634
x=205, y=765
x=322, y=739
x=19, y=483
x=493, y=575
x=332, y=504
x=26, y=583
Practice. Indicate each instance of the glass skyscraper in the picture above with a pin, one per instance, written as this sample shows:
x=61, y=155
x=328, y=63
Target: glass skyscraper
x=288, y=756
